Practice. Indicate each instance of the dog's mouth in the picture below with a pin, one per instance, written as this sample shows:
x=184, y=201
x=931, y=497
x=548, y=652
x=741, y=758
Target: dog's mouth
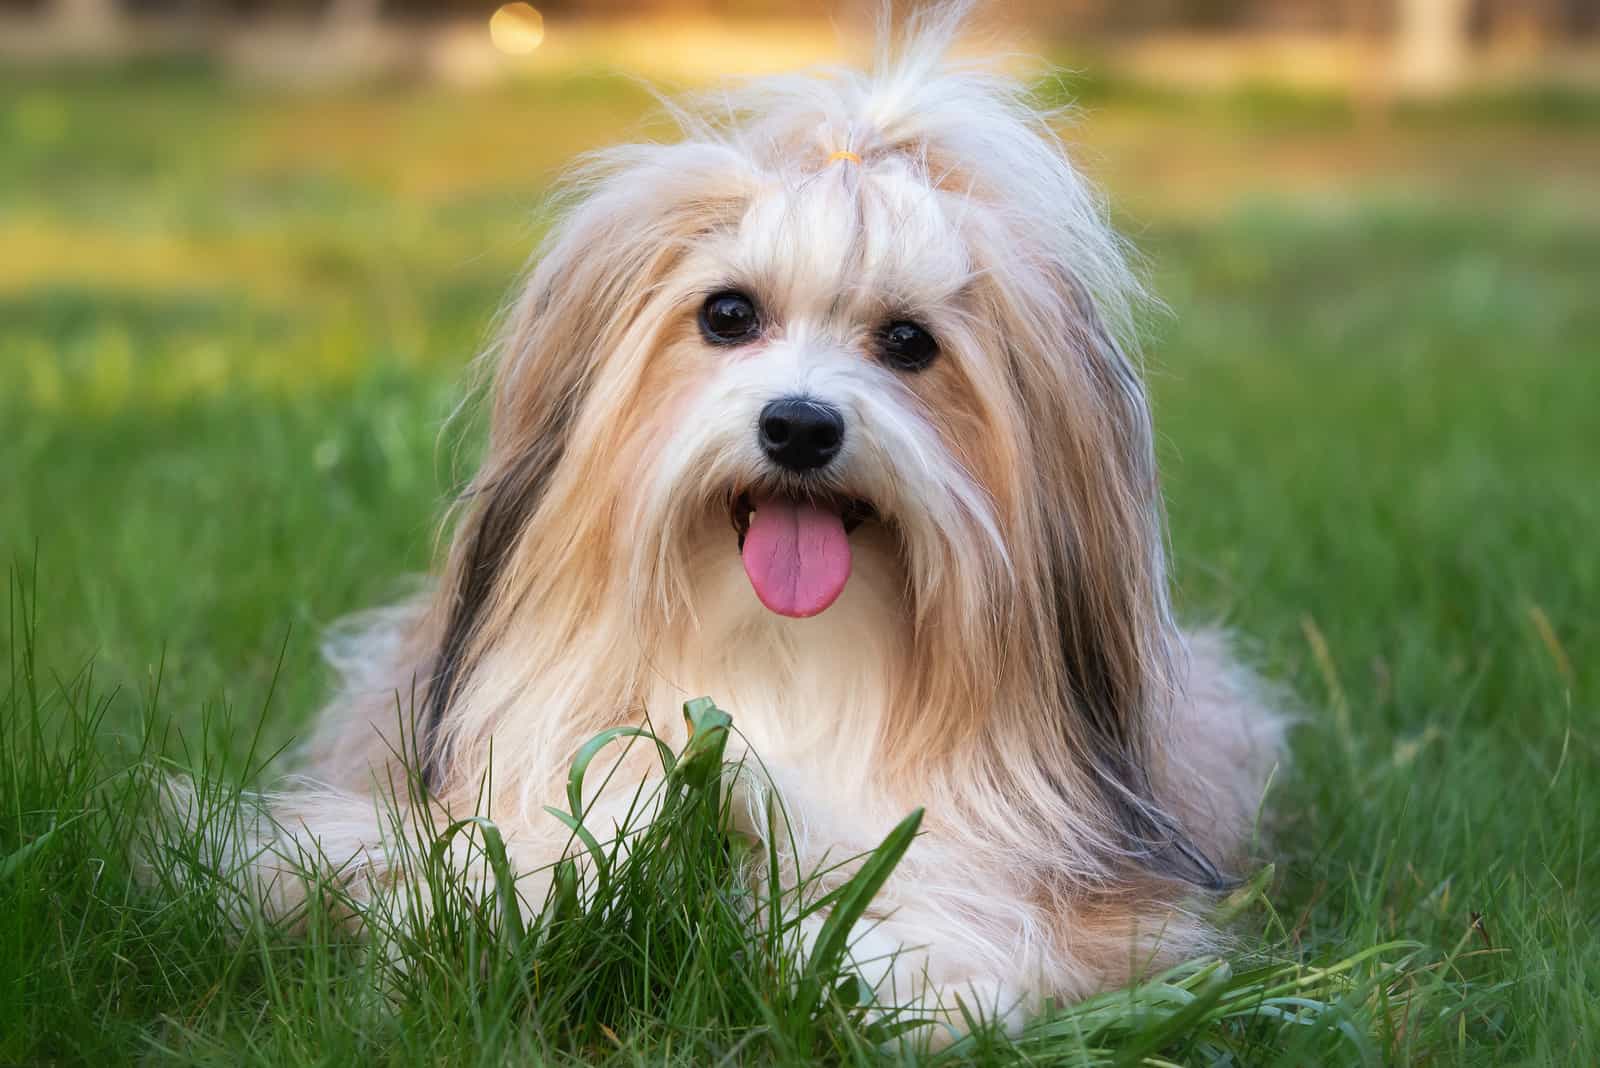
x=796, y=548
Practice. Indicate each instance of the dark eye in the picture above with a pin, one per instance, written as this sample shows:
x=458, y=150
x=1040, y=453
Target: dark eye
x=906, y=346
x=729, y=318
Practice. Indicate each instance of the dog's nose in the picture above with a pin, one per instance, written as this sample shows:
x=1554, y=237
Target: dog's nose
x=800, y=434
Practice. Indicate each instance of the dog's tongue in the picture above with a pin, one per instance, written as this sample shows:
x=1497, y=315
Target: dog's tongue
x=797, y=556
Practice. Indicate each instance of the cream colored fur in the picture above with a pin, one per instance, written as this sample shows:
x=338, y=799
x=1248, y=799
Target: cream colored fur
x=1003, y=653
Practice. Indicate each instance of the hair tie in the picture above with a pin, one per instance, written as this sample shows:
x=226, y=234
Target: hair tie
x=844, y=154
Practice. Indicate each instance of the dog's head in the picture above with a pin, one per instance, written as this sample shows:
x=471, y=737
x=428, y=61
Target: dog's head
x=857, y=309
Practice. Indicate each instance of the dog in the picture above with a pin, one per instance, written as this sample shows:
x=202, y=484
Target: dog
x=830, y=410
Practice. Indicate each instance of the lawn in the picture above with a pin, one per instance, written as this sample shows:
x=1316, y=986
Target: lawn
x=234, y=324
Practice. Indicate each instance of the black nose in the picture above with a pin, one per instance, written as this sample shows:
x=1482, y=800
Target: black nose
x=801, y=435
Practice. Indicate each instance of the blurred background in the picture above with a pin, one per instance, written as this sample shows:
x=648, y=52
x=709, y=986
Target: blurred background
x=1367, y=47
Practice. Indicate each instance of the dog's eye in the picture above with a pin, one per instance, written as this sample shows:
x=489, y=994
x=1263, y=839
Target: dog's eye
x=729, y=318
x=906, y=346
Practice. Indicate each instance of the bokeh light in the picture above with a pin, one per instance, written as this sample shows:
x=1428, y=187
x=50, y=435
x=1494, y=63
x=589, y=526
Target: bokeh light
x=516, y=29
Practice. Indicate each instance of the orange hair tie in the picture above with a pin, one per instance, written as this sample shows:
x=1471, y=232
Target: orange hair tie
x=844, y=154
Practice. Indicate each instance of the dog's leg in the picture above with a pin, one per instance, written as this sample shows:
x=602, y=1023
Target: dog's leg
x=374, y=848
x=917, y=967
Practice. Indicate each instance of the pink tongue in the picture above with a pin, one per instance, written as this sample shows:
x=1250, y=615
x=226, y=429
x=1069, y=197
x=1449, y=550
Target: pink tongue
x=797, y=556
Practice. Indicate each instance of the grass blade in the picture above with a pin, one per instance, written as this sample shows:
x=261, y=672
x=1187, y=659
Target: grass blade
x=494, y=848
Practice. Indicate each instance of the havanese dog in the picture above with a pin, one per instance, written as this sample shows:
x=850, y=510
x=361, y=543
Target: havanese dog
x=829, y=411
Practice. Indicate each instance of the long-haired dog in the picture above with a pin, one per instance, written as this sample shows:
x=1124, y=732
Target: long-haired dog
x=827, y=411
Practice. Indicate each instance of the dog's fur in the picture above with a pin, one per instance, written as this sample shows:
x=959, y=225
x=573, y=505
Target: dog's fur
x=1004, y=653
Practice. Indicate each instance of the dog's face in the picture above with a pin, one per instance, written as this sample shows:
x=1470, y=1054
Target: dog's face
x=741, y=349
x=822, y=364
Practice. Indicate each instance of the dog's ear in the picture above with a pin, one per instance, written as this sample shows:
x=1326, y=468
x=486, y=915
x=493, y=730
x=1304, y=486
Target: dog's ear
x=1107, y=568
x=634, y=212
x=499, y=504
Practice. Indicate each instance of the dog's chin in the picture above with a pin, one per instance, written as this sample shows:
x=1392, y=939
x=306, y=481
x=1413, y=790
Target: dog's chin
x=796, y=545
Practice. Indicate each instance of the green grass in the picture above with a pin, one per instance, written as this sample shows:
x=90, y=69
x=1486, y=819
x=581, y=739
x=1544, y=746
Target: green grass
x=233, y=323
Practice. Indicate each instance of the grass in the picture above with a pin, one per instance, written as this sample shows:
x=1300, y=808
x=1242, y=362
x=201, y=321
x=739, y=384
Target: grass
x=233, y=321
